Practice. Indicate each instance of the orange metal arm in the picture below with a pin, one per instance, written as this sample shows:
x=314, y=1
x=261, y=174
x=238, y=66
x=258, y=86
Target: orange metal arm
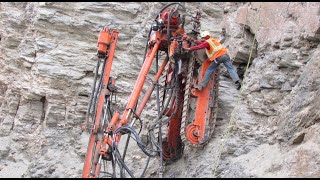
x=150, y=89
x=88, y=160
x=87, y=163
x=139, y=83
x=106, y=78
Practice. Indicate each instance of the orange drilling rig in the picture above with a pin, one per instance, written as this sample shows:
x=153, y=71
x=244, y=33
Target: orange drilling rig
x=184, y=114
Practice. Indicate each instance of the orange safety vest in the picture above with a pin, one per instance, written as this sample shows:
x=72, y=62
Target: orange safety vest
x=216, y=49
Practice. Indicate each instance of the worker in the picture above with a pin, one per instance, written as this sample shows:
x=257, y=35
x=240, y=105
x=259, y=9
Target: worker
x=217, y=54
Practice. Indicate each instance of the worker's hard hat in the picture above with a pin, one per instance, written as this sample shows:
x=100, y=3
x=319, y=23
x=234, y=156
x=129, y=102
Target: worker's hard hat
x=204, y=34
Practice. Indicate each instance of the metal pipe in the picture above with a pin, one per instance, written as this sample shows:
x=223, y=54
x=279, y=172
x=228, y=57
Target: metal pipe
x=106, y=78
x=151, y=88
x=107, y=67
x=139, y=83
x=93, y=91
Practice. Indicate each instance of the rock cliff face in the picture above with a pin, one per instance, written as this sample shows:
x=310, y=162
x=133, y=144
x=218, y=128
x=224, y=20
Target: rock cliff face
x=268, y=129
x=274, y=129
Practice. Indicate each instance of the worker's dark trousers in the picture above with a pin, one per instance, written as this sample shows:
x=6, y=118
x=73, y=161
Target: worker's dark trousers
x=225, y=59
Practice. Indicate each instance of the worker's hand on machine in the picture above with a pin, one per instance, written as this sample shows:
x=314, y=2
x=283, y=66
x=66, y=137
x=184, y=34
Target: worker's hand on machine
x=190, y=39
x=186, y=37
x=187, y=49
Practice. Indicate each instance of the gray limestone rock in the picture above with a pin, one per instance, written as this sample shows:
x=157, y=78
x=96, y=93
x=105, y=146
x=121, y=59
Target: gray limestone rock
x=48, y=58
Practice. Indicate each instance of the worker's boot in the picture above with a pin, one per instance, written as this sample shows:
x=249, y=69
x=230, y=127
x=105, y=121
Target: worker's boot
x=198, y=87
x=238, y=84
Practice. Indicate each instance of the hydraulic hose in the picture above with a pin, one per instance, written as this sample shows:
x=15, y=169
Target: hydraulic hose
x=184, y=9
x=124, y=153
x=98, y=89
x=93, y=91
x=146, y=47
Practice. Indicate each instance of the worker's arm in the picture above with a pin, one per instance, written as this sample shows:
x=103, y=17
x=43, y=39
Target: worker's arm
x=197, y=41
x=203, y=45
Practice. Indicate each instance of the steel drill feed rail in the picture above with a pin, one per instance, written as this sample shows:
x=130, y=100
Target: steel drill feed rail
x=184, y=114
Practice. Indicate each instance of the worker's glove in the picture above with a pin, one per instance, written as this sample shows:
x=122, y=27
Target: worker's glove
x=185, y=37
x=187, y=49
x=190, y=39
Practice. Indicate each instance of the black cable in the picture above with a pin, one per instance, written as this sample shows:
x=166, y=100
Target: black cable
x=145, y=168
x=177, y=92
x=124, y=154
x=146, y=47
x=119, y=159
x=113, y=165
x=137, y=117
x=99, y=88
x=148, y=160
x=140, y=126
x=93, y=90
x=104, y=112
x=152, y=139
x=142, y=146
x=170, y=5
x=165, y=107
x=136, y=137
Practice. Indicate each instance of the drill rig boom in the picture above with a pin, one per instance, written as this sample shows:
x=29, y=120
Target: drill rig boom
x=176, y=122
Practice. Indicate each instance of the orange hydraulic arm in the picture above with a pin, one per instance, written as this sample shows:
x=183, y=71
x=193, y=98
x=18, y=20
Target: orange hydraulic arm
x=103, y=42
x=151, y=88
x=93, y=164
x=127, y=115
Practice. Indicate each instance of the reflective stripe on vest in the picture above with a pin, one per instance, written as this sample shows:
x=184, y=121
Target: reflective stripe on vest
x=215, y=48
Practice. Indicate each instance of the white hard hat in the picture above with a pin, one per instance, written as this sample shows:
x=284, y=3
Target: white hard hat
x=204, y=34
